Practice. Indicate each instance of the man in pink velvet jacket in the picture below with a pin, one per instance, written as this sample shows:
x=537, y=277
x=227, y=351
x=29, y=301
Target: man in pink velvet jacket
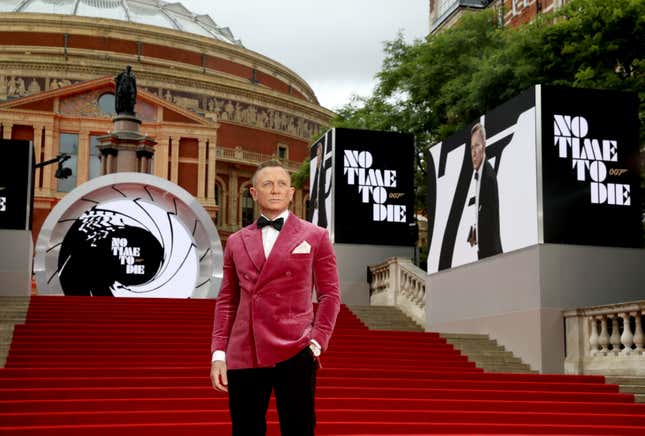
x=265, y=335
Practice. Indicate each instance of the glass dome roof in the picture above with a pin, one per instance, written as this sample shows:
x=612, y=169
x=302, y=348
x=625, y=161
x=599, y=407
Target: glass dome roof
x=152, y=12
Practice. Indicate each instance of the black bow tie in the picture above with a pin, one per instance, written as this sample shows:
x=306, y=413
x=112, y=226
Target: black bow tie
x=276, y=224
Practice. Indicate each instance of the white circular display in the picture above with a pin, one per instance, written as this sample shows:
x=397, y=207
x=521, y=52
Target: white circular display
x=129, y=235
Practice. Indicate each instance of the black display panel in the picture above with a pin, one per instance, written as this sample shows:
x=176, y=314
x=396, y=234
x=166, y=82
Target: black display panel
x=16, y=175
x=590, y=167
x=374, y=187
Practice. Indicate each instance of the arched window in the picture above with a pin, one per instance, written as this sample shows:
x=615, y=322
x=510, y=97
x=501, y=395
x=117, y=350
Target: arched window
x=247, y=208
x=219, y=220
x=69, y=144
x=95, y=157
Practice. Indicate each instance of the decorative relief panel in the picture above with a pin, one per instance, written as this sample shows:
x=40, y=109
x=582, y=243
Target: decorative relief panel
x=15, y=86
x=86, y=105
x=218, y=109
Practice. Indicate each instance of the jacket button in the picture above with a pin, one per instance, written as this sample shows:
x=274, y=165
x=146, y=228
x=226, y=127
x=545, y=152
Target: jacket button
x=288, y=273
x=246, y=276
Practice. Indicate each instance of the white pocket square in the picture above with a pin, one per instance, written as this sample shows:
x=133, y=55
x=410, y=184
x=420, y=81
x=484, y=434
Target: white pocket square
x=303, y=248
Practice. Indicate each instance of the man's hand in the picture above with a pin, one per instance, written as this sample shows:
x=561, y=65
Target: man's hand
x=218, y=376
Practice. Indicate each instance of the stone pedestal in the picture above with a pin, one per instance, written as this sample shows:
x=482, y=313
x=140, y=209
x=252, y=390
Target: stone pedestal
x=15, y=262
x=518, y=298
x=126, y=149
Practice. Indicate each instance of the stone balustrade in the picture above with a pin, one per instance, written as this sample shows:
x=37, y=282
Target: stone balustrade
x=398, y=282
x=240, y=155
x=606, y=340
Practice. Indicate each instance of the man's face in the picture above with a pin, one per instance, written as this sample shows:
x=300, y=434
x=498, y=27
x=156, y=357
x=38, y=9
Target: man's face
x=272, y=191
x=477, y=149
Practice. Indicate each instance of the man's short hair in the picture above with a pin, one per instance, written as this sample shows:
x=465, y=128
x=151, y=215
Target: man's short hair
x=479, y=128
x=268, y=164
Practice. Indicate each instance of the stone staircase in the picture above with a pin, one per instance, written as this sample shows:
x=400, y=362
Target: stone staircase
x=630, y=385
x=385, y=318
x=480, y=349
x=486, y=353
x=13, y=310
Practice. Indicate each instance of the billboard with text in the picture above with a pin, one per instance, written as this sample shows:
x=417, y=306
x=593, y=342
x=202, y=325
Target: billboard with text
x=362, y=186
x=590, y=167
x=552, y=165
x=16, y=184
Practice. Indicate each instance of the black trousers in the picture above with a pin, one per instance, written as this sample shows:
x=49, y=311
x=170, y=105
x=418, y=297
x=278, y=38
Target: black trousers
x=294, y=384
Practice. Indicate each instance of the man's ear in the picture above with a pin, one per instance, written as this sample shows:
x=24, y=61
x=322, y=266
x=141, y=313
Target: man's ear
x=254, y=193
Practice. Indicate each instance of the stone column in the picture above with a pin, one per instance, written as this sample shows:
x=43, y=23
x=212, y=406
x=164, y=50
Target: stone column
x=212, y=173
x=82, y=167
x=201, y=169
x=161, y=157
x=38, y=148
x=298, y=203
x=6, y=130
x=55, y=149
x=48, y=175
x=233, y=198
x=174, y=160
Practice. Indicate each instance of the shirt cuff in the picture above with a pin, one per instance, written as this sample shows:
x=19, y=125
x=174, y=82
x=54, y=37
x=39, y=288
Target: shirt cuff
x=219, y=355
x=315, y=342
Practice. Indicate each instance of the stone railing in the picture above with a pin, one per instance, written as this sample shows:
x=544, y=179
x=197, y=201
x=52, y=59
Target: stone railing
x=398, y=282
x=239, y=155
x=606, y=340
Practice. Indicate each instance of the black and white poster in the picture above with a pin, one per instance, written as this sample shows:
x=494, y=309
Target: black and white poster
x=16, y=184
x=362, y=186
x=320, y=181
x=482, y=192
x=590, y=167
x=374, y=181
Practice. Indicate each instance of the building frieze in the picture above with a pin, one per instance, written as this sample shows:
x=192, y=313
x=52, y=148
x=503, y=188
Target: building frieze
x=136, y=32
x=246, y=112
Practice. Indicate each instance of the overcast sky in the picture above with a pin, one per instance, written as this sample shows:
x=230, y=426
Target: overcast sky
x=335, y=45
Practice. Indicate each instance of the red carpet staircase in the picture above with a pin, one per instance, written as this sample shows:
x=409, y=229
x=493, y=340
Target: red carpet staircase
x=106, y=366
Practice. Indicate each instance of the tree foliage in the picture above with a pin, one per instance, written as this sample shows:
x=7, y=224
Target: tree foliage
x=434, y=87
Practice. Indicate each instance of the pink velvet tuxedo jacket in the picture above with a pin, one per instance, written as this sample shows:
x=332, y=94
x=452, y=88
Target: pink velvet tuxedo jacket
x=264, y=312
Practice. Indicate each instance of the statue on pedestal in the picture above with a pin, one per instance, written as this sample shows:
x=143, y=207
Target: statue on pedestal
x=126, y=92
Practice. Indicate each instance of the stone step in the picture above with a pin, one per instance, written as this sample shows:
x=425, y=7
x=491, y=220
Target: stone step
x=492, y=361
x=625, y=380
x=632, y=389
x=510, y=370
x=639, y=398
x=19, y=299
x=467, y=337
x=486, y=353
x=13, y=310
x=384, y=318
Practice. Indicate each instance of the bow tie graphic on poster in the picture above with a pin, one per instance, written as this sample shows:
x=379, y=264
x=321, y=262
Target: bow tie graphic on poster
x=372, y=186
x=276, y=224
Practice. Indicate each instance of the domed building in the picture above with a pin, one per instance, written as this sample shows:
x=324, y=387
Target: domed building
x=215, y=108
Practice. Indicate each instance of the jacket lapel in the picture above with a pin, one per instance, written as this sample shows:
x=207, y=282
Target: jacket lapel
x=252, y=239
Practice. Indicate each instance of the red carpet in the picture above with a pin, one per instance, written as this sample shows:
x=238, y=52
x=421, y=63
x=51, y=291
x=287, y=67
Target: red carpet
x=106, y=366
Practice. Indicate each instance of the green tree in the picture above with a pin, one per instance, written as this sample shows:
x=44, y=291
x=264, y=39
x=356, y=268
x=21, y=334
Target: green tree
x=434, y=87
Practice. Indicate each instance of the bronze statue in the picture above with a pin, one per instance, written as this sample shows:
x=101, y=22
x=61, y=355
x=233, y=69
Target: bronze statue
x=126, y=92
